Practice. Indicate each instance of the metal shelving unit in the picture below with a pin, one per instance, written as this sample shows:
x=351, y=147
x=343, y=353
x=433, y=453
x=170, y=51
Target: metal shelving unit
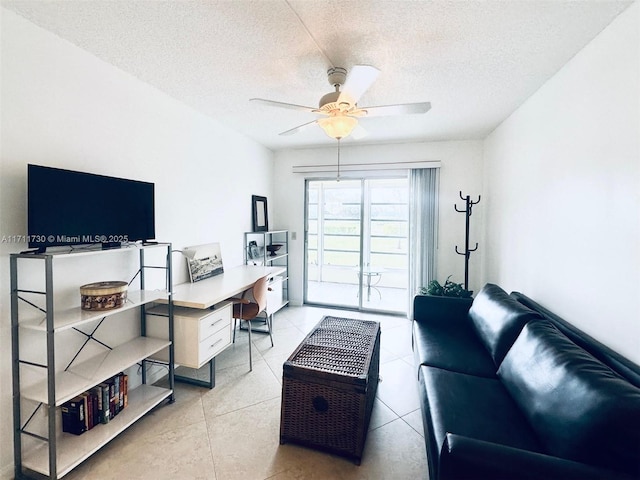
x=280, y=283
x=53, y=454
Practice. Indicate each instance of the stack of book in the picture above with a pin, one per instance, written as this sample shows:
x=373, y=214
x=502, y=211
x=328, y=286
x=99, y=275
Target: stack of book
x=97, y=405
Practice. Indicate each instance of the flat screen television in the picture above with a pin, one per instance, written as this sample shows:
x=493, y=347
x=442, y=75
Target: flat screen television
x=66, y=207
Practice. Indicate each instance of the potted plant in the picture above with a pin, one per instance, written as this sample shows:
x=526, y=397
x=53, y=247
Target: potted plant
x=449, y=289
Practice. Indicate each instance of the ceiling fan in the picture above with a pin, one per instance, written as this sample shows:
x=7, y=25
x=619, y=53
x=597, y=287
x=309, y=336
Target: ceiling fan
x=339, y=108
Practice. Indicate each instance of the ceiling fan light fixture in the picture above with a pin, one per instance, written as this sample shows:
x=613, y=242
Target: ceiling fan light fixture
x=338, y=126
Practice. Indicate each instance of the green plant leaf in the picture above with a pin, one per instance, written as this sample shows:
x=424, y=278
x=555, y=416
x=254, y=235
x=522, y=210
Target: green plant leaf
x=450, y=289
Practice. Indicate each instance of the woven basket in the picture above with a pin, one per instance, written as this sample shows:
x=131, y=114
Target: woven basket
x=329, y=385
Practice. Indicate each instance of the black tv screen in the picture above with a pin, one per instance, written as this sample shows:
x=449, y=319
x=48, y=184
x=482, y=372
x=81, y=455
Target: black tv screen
x=73, y=208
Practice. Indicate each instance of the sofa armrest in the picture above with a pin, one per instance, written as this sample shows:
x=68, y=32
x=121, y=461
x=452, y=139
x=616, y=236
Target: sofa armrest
x=468, y=458
x=428, y=308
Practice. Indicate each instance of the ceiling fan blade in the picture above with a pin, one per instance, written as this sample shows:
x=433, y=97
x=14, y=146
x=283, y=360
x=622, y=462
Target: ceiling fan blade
x=399, y=109
x=298, y=128
x=273, y=103
x=359, y=79
x=359, y=132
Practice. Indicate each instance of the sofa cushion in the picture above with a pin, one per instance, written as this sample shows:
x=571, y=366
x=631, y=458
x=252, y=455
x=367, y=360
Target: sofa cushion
x=472, y=406
x=470, y=458
x=498, y=319
x=451, y=346
x=433, y=309
x=580, y=408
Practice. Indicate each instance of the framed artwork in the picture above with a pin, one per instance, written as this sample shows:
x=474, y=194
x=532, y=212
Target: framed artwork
x=254, y=250
x=204, y=261
x=259, y=209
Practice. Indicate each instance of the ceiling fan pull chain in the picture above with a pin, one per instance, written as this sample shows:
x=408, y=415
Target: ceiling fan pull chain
x=338, y=177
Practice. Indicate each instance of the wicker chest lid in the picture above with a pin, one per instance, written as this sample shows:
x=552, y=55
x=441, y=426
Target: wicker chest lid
x=337, y=348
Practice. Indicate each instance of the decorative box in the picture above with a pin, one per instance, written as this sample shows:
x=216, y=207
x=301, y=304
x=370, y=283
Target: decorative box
x=103, y=295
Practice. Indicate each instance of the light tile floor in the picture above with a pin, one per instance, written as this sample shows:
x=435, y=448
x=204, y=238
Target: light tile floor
x=382, y=299
x=232, y=431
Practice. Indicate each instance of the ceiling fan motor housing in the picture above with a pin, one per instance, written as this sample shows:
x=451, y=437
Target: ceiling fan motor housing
x=337, y=76
x=329, y=102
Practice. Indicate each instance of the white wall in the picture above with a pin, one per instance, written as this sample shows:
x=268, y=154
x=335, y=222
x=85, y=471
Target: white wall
x=65, y=108
x=562, y=177
x=461, y=170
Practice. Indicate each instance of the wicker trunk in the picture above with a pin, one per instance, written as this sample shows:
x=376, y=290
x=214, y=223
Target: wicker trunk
x=329, y=385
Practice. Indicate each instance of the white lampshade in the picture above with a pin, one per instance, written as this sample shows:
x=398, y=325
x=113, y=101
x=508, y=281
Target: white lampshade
x=338, y=126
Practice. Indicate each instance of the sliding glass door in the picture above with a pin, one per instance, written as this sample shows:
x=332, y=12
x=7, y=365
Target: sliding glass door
x=356, y=245
x=333, y=246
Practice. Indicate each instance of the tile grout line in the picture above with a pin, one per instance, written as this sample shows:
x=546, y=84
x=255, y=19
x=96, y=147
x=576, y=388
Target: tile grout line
x=206, y=422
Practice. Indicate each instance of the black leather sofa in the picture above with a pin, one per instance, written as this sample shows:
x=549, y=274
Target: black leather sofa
x=509, y=390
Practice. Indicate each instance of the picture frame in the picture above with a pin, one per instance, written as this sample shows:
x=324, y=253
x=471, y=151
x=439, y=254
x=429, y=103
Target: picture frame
x=259, y=211
x=254, y=251
x=203, y=261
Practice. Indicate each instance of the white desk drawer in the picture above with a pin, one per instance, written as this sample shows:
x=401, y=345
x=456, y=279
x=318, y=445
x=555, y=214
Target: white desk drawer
x=213, y=345
x=274, y=295
x=217, y=320
x=194, y=330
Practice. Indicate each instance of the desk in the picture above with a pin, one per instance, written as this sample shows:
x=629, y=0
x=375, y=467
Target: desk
x=208, y=292
x=200, y=334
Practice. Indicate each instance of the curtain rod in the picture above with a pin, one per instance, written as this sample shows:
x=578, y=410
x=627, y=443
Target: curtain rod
x=365, y=166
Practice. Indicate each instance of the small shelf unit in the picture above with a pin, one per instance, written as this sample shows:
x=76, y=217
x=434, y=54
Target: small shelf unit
x=54, y=454
x=278, y=296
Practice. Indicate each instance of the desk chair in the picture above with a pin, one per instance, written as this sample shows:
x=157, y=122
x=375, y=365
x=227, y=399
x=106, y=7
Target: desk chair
x=245, y=309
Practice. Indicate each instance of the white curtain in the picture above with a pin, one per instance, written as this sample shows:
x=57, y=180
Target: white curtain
x=423, y=228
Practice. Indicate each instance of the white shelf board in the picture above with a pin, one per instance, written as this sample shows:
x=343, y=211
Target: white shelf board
x=270, y=232
x=89, y=249
x=73, y=317
x=74, y=449
x=271, y=258
x=95, y=370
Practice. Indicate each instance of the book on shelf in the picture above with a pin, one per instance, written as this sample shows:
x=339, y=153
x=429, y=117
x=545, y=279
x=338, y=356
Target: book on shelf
x=90, y=408
x=121, y=376
x=96, y=395
x=112, y=398
x=125, y=401
x=88, y=411
x=105, y=414
x=97, y=405
x=73, y=416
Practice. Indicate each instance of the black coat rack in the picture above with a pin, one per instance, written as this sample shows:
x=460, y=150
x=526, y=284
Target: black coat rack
x=467, y=251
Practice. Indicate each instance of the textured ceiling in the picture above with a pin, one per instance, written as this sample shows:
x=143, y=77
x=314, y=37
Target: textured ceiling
x=475, y=61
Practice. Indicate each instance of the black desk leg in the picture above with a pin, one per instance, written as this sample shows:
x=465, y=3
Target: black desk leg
x=201, y=383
